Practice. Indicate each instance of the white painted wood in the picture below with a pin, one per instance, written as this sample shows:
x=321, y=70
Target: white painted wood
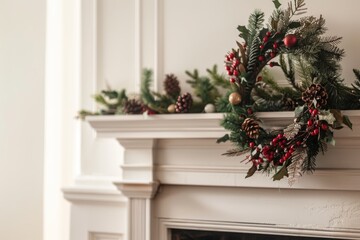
x=105, y=236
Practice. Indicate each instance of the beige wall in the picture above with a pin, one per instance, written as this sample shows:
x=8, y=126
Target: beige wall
x=22, y=51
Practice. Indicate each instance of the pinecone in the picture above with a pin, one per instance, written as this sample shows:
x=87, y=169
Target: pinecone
x=289, y=104
x=315, y=92
x=183, y=103
x=251, y=128
x=171, y=85
x=133, y=106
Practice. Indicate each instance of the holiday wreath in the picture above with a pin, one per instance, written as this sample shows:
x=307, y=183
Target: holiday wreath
x=310, y=62
x=292, y=42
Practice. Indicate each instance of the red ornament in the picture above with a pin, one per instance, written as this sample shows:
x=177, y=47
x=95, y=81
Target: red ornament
x=251, y=144
x=290, y=40
x=272, y=54
x=268, y=34
x=324, y=126
x=261, y=58
x=265, y=39
x=275, y=45
x=261, y=47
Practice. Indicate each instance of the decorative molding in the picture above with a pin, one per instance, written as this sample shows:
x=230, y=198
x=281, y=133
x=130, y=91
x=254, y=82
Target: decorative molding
x=94, y=190
x=105, y=236
x=165, y=225
x=159, y=42
x=235, y=177
x=138, y=44
x=138, y=189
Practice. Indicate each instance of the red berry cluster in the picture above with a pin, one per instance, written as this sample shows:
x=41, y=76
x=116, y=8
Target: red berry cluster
x=267, y=51
x=278, y=151
x=232, y=63
x=314, y=125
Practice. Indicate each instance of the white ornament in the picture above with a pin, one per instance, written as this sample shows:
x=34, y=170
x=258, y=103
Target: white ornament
x=209, y=108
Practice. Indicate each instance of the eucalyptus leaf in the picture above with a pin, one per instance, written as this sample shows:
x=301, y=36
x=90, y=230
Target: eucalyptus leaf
x=294, y=24
x=277, y=4
x=224, y=138
x=251, y=171
x=280, y=174
x=347, y=121
x=337, y=114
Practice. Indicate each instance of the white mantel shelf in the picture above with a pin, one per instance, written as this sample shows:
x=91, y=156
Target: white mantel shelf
x=181, y=126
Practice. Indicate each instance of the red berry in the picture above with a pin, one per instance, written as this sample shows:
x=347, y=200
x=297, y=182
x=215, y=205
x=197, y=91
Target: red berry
x=298, y=143
x=314, y=112
x=249, y=111
x=236, y=72
x=290, y=40
x=261, y=58
x=279, y=136
x=271, y=64
x=232, y=80
x=227, y=68
x=268, y=34
x=227, y=58
x=310, y=123
x=261, y=47
x=275, y=45
x=316, y=131
x=236, y=62
x=265, y=39
x=324, y=126
x=272, y=54
x=230, y=73
x=231, y=55
x=274, y=141
x=259, y=78
x=251, y=144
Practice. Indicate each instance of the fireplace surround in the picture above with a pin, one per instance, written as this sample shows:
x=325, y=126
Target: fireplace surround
x=175, y=177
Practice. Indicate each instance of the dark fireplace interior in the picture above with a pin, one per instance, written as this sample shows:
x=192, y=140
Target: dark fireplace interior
x=181, y=234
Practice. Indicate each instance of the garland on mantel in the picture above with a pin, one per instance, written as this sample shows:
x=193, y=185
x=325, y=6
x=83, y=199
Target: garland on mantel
x=310, y=62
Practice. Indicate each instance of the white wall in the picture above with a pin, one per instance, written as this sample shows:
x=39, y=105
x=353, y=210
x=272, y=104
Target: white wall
x=119, y=38
x=22, y=52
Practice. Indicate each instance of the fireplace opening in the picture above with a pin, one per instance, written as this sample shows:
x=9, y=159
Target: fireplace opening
x=181, y=234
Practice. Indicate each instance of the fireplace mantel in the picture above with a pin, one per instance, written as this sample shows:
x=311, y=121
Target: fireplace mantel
x=145, y=137
x=181, y=150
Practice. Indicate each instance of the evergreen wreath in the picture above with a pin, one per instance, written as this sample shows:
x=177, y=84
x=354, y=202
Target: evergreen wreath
x=297, y=45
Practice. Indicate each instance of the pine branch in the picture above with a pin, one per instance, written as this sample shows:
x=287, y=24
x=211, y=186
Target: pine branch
x=309, y=163
x=146, y=94
x=236, y=152
x=218, y=79
x=297, y=7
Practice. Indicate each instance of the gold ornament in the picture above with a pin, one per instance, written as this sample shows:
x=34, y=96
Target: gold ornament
x=171, y=108
x=235, y=98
